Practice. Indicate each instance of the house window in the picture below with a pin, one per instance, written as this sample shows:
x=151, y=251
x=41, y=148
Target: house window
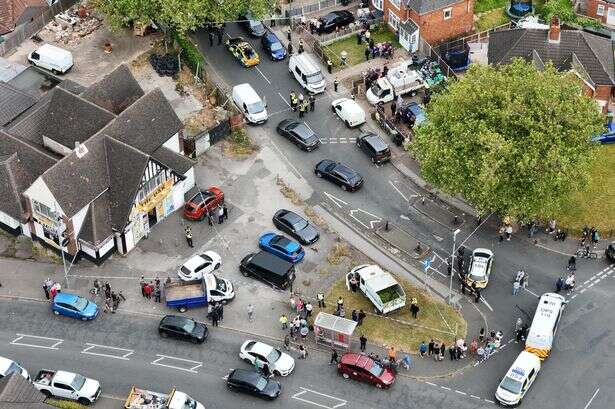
x=600, y=10
x=377, y=4
x=413, y=39
x=393, y=20
x=448, y=13
x=150, y=186
x=44, y=210
x=395, y=3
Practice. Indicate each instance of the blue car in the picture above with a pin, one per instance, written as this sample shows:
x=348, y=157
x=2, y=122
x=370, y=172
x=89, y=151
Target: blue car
x=274, y=48
x=74, y=306
x=282, y=247
x=608, y=136
x=414, y=109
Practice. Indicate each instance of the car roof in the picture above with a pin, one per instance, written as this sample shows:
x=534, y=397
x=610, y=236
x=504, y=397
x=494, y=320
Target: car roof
x=261, y=348
x=375, y=141
x=275, y=265
x=360, y=360
x=175, y=320
x=66, y=298
x=245, y=375
x=525, y=362
x=194, y=261
x=63, y=377
x=271, y=37
x=303, y=131
x=282, y=241
x=345, y=170
x=5, y=363
x=291, y=216
x=375, y=277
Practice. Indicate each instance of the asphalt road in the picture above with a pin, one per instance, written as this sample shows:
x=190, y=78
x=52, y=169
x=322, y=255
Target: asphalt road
x=121, y=350
x=577, y=367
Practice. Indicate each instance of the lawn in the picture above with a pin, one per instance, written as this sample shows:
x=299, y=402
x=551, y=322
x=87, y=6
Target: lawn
x=407, y=337
x=491, y=19
x=355, y=51
x=485, y=5
x=595, y=206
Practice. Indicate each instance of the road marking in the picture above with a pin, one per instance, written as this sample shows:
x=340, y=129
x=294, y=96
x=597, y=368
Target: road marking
x=124, y=355
x=430, y=383
x=403, y=216
x=475, y=397
x=56, y=341
x=592, y=398
x=263, y=75
x=191, y=369
x=298, y=396
x=531, y=292
x=335, y=200
x=285, y=101
x=295, y=170
x=113, y=397
x=371, y=222
x=461, y=393
x=582, y=291
x=486, y=303
x=445, y=388
x=399, y=191
x=488, y=400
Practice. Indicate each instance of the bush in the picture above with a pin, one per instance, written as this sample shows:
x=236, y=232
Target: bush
x=64, y=404
x=191, y=56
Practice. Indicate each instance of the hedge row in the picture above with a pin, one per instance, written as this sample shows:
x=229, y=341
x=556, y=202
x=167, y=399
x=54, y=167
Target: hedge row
x=190, y=55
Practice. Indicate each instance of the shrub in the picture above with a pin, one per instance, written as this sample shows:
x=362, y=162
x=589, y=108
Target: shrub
x=190, y=55
x=64, y=404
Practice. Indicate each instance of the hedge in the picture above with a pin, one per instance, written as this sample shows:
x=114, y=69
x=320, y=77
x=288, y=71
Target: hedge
x=64, y=404
x=191, y=56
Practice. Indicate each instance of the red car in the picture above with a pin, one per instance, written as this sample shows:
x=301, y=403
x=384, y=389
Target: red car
x=363, y=368
x=203, y=202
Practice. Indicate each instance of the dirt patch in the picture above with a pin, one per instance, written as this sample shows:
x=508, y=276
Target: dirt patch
x=315, y=218
x=42, y=253
x=338, y=252
x=289, y=192
x=239, y=145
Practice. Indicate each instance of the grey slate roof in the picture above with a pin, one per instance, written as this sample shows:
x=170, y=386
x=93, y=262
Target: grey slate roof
x=595, y=53
x=409, y=26
x=97, y=223
x=13, y=102
x=11, y=199
x=146, y=124
x=16, y=392
x=71, y=119
x=72, y=87
x=9, y=69
x=35, y=81
x=173, y=160
x=116, y=91
x=29, y=126
x=426, y=6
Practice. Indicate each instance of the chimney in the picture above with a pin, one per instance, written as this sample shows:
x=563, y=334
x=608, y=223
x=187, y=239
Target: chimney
x=554, y=30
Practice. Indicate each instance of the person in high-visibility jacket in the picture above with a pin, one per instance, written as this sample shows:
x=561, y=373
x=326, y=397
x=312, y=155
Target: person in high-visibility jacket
x=293, y=101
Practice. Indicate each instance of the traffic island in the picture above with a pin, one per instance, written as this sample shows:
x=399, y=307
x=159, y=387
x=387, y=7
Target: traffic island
x=402, y=241
x=435, y=320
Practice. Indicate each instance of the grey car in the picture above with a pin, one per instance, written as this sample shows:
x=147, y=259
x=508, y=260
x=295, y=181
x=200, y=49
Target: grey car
x=299, y=133
x=296, y=226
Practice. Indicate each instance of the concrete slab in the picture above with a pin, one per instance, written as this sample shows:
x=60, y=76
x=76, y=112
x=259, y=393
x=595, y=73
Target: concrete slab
x=403, y=241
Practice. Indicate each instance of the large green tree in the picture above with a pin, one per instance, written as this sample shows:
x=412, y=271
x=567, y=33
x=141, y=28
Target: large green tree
x=510, y=139
x=181, y=15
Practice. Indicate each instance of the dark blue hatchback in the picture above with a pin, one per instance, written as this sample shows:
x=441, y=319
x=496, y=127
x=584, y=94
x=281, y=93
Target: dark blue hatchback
x=273, y=46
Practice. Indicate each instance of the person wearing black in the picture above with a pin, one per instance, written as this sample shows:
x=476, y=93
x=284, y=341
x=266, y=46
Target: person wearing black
x=451, y=352
x=353, y=315
x=220, y=311
x=393, y=108
x=219, y=33
x=481, y=335
x=210, y=35
x=366, y=52
x=329, y=66
x=360, y=317
x=214, y=317
x=385, y=71
x=572, y=263
x=312, y=100
x=334, y=357
x=290, y=48
x=266, y=370
x=225, y=212
x=414, y=309
x=363, y=342
x=336, y=83
x=301, y=49
x=359, y=38
x=430, y=347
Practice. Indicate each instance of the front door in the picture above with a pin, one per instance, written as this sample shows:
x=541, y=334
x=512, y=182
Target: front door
x=610, y=18
x=151, y=217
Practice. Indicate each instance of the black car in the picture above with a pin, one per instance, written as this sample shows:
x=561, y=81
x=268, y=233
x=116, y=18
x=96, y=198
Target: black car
x=183, y=328
x=295, y=226
x=340, y=174
x=254, y=383
x=253, y=27
x=373, y=145
x=299, y=134
x=335, y=19
x=610, y=252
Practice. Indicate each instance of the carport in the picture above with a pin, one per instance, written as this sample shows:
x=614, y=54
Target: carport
x=333, y=331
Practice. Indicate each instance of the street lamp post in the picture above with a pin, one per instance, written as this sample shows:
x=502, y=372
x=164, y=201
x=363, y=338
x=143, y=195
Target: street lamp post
x=59, y=232
x=450, y=287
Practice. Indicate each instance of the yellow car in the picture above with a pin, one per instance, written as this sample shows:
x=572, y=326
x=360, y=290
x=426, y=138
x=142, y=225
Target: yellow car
x=243, y=51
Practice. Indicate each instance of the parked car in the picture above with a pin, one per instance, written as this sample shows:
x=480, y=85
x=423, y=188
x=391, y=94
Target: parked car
x=253, y=383
x=295, y=226
x=67, y=385
x=182, y=328
x=335, y=19
x=74, y=306
x=253, y=27
x=250, y=103
x=479, y=271
x=55, y=59
x=307, y=72
x=242, y=51
x=191, y=294
x=376, y=148
x=413, y=109
x=8, y=366
x=273, y=46
x=348, y=111
x=269, y=269
x=198, y=265
x=518, y=380
x=299, y=134
x=365, y=369
x=610, y=252
x=139, y=398
x=340, y=174
x=282, y=247
x=203, y=202
x=259, y=353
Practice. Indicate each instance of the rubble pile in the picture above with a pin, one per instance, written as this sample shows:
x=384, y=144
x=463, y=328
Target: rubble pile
x=164, y=65
x=70, y=26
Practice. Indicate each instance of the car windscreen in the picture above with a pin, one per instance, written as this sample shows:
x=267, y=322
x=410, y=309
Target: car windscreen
x=276, y=46
x=376, y=369
x=274, y=355
x=78, y=382
x=249, y=53
x=511, y=385
x=314, y=78
x=376, y=90
x=256, y=107
x=13, y=368
x=81, y=303
x=300, y=224
x=188, y=326
x=256, y=25
x=189, y=403
x=261, y=383
x=220, y=284
x=186, y=271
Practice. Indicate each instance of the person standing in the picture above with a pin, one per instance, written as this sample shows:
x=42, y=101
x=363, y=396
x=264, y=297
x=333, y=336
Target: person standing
x=363, y=342
x=304, y=331
x=329, y=66
x=334, y=357
x=220, y=34
x=392, y=354
x=360, y=317
x=148, y=291
x=301, y=110
x=107, y=289
x=393, y=108
x=302, y=352
x=290, y=48
x=293, y=101
x=300, y=49
x=210, y=35
x=225, y=211
x=284, y=321
x=336, y=84
x=288, y=33
x=423, y=349
x=516, y=286
x=367, y=52
x=321, y=300
x=157, y=293
x=477, y=295
x=430, y=347
x=215, y=318
x=353, y=315
x=414, y=309
x=220, y=215
x=308, y=309
x=312, y=99
x=220, y=310
x=250, y=312
x=481, y=334
x=188, y=232
x=47, y=286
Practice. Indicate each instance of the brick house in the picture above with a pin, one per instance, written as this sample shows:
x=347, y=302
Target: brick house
x=437, y=20
x=588, y=56
x=16, y=12
x=601, y=10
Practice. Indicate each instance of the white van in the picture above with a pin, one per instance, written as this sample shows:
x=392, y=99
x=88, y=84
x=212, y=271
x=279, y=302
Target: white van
x=249, y=103
x=307, y=72
x=379, y=287
x=544, y=325
x=52, y=58
x=518, y=379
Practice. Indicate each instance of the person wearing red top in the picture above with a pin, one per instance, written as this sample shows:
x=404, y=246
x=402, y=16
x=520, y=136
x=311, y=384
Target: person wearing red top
x=148, y=291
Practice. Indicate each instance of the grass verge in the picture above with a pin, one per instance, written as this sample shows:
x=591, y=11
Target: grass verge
x=491, y=19
x=594, y=206
x=435, y=319
x=64, y=404
x=355, y=51
x=485, y=5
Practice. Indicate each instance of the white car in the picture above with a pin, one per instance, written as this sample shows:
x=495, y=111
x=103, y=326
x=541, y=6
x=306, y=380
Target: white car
x=198, y=265
x=480, y=267
x=8, y=366
x=518, y=379
x=349, y=111
x=279, y=363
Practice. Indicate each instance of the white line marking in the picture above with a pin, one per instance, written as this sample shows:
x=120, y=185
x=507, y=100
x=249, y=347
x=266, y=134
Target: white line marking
x=399, y=191
x=461, y=393
x=403, y=216
x=486, y=303
x=429, y=383
x=582, y=291
x=475, y=397
x=192, y=369
x=297, y=173
x=285, y=101
x=597, y=280
x=592, y=398
x=488, y=400
x=332, y=141
x=335, y=200
x=125, y=356
x=573, y=297
x=297, y=395
x=531, y=292
x=21, y=336
x=444, y=387
x=263, y=75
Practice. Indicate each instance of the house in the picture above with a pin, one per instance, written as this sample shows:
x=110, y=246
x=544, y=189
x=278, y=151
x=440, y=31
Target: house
x=436, y=20
x=16, y=12
x=601, y=10
x=587, y=55
x=90, y=170
x=16, y=392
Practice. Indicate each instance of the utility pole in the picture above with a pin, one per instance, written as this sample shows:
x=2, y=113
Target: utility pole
x=450, y=287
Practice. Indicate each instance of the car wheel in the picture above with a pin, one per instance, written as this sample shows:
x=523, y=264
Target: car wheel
x=182, y=309
x=277, y=373
x=84, y=401
x=347, y=124
x=84, y=319
x=244, y=273
x=374, y=160
x=46, y=392
x=163, y=334
x=318, y=174
x=247, y=361
x=344, y=188
x=345, y=376
x=194, y=340
x=54, y=71
x=56, y=312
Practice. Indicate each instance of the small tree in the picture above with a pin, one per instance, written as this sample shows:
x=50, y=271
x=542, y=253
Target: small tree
x=510, y=139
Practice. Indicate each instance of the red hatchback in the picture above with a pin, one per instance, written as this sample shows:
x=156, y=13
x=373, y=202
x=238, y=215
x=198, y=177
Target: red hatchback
x=203, y=202
x=363, y=368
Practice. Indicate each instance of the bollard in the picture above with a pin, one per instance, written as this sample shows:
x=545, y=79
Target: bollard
x=386, y=226
x=418, y=247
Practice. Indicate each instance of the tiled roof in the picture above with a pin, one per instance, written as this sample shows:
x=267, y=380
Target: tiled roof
x=97, y=224
x=12, y=103
x=426, y=6
x=173, y=160
x=11, y=12
x=595, y=53
x=18, y=392
x=116, y=91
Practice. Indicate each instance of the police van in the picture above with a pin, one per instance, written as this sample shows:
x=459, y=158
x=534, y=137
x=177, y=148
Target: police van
x=518, y=379
x=307, y=73
x=544, y=325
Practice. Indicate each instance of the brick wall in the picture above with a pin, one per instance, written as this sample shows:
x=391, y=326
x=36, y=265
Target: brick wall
x=591, y=7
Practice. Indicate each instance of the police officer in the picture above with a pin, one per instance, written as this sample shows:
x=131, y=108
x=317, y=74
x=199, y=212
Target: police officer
x=293, y=101
x=329, y=66
x=312, y=100
x=290, y=48
x=336, y=83
x=300, y=47
x=302, y=108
